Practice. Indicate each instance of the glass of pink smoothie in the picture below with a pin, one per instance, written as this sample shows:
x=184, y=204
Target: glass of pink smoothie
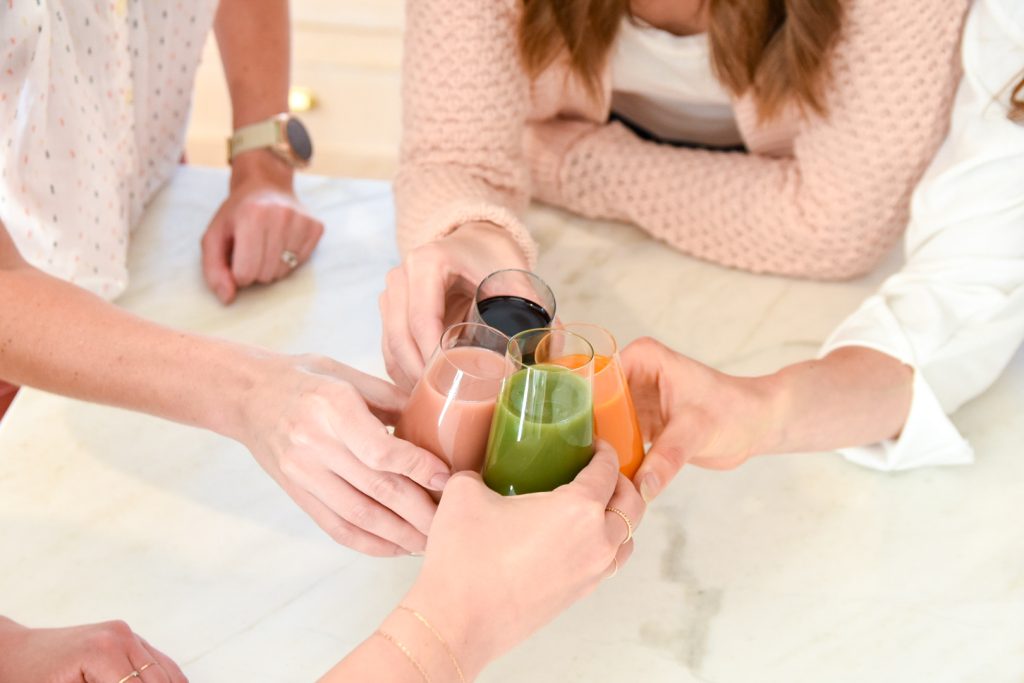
x=450, y=409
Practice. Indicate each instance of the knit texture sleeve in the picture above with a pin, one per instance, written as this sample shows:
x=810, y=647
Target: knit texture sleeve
x=832, y=209
x=465, y=100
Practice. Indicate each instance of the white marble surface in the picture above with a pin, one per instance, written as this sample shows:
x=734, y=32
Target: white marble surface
x=791, y=569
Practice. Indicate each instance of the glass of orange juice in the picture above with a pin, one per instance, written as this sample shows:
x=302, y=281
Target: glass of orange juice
x=615, y=418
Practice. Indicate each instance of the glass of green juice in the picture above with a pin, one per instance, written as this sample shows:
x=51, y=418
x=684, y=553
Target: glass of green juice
x=542, y=432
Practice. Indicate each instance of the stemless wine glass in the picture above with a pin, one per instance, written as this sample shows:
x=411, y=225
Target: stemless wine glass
x=542, y=433
x=615, y=418
x=449, y=411
x=513, y=301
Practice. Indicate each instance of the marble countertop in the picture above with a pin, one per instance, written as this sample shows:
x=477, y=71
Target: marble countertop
x=791, y=568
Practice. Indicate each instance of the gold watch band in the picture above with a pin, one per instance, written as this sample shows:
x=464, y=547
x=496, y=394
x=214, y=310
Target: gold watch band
x=255, y=136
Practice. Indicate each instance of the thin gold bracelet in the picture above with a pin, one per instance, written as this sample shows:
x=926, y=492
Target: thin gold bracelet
x=423, y=620
x=405, y=651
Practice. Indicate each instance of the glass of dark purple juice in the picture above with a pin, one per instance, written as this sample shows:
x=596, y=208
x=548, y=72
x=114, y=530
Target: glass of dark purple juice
x=513, y=301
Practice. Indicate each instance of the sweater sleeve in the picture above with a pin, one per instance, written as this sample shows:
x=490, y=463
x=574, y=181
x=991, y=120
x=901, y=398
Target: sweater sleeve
x=955, y=312
x=465, y=101
x=832, y=209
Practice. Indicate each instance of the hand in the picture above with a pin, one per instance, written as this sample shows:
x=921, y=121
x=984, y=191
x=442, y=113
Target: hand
x=98, y=653
x=260, y=220
x=318, y=428
x=691, y=413
x=434, y=288
x=498, y=568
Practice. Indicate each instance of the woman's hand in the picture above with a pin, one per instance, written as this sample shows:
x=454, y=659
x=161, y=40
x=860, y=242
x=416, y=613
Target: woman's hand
x=434, y=288
x=261, y=219
x=498, y=568
x=318, y=428
x=692, y=413
x=98, y=653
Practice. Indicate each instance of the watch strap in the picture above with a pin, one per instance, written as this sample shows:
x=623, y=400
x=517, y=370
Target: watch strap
x=261, y=135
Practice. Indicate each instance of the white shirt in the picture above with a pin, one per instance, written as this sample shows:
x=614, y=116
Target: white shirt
x=955, y=312
x=94, y=102
x=664, y=84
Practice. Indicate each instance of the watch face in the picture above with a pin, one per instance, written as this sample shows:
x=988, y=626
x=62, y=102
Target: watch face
x=298, y=139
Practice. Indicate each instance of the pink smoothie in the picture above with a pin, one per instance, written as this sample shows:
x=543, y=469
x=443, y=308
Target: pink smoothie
x=450, y=409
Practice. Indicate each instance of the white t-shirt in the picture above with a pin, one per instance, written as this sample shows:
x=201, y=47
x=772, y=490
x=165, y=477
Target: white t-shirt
x=94, y=103
x=664, y=84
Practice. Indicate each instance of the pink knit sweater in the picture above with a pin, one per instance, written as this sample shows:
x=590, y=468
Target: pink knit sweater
x=816, y=197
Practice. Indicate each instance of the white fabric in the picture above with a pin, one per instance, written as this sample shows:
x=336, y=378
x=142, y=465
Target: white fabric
x=664, y=83
x=94, y=102
x=955, y=312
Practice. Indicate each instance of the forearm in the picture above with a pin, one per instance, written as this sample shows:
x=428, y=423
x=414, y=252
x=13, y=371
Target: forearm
x=62, y=339
x=748, y=211
x=409, y=646
x=465, y=101
x=253, y=37
x=852, y=397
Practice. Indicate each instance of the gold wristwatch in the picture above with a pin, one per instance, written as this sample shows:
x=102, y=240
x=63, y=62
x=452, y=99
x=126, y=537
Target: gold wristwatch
x=284, y=135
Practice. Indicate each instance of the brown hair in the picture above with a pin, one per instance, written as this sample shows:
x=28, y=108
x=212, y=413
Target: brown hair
x=1017, y=103
x=779, y=49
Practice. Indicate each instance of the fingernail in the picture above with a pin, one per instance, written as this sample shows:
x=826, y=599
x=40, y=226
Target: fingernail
x=438, y=481
x=649, y=487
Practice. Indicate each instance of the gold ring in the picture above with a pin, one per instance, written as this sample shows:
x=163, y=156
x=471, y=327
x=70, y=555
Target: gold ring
x=134, y=674
x=615, y=568
x=627, y=520
x=146, y=666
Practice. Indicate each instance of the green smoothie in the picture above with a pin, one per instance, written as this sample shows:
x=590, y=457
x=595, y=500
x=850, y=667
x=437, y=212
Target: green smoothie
x=542, y=433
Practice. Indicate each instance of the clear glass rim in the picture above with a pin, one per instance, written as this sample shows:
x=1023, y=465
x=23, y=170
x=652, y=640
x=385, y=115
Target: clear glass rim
x=520, y=365
x=600, y=330
x=530, y=274
x=485, y=329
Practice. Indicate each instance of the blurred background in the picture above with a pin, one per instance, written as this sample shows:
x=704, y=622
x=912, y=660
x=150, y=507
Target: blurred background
x=345, y=68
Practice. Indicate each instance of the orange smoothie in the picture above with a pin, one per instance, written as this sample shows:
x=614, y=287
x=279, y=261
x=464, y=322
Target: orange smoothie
x=614, y=416
x=449, y=412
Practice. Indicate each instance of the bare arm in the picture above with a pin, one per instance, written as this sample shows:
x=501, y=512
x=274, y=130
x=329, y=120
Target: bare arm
x=852, y=396
x=262, y=220
x=316, y=426
x=253, y=37
x=696, y=415
x=62, y=339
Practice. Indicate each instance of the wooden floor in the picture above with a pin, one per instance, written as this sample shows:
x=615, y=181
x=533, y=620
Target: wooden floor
x=348, y=53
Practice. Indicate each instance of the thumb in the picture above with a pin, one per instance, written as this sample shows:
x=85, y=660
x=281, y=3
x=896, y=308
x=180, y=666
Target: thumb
x=217, y=246
x=666, y=457
x=383, y=399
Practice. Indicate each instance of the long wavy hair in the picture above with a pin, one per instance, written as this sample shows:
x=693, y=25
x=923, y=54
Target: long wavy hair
x=778, y=49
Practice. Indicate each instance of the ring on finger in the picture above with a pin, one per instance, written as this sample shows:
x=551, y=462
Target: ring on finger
x=146, y=666
x=627, y=520
x=133, y=674
x=290, y=259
